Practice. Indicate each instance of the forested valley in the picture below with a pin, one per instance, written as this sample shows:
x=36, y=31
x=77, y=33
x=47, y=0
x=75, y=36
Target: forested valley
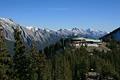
x=57, y=61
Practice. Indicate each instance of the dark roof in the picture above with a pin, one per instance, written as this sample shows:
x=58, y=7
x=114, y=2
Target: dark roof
x=110, y=33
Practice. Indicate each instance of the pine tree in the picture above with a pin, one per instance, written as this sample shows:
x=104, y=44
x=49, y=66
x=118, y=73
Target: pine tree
x=48, y=70
x=41, y=63
x=67, y=69
x=21, y=62
x=38, y=63
x=5, y=59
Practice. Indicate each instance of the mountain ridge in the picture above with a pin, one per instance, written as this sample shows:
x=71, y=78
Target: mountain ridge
x=44, y=37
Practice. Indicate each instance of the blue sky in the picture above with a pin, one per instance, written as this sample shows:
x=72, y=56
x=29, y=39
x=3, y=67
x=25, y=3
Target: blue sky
x=55, y=14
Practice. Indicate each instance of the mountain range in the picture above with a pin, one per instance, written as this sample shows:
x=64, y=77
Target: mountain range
x=44, y=37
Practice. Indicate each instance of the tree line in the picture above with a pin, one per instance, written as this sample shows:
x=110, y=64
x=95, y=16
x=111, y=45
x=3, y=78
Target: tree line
x=57, y=62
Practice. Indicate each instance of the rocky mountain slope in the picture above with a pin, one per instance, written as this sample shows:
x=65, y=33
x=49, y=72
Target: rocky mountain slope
x=44, y=37
x=88, y=33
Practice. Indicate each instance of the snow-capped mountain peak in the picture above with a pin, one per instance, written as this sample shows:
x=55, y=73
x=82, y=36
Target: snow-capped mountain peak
x=29, y=33
x=44, y=37
x=32, y=28
x=7, y=20
x=75, y=29
x=89, y=33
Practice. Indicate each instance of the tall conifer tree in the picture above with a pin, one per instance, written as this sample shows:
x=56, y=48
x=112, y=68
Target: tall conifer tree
x=5, y=59
x=38, y=62
x=21, y=62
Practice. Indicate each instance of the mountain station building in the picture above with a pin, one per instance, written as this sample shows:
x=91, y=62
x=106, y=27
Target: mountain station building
x=79, y=41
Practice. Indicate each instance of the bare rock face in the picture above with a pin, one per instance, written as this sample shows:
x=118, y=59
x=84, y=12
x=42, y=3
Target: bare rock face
x=42, y=37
